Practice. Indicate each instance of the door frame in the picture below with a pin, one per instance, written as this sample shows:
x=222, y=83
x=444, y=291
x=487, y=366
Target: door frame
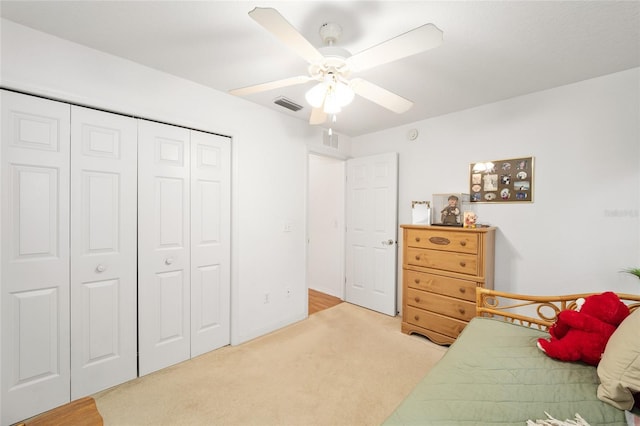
x=339, y=255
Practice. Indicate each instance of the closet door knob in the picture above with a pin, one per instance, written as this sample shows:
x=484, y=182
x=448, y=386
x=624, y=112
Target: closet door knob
x=101, y=268
x=168, y=261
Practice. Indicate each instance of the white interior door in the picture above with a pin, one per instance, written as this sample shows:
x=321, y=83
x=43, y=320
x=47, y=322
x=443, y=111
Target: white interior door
x=372, y=224
x=35, y=256
x=103, y=250
x=210, y=242
x=163, y=246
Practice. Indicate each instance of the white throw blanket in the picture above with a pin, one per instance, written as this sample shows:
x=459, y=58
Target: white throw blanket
x=578, y=421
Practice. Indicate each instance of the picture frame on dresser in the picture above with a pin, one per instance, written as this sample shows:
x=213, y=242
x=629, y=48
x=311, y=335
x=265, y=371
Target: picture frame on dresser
x=421, y=212
x=441, y=269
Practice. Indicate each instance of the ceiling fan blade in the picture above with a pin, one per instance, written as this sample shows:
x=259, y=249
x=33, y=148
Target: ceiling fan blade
x=318, y=116
x=263, y=87
x=380, y=96
x=277, y=25
x=410, y=43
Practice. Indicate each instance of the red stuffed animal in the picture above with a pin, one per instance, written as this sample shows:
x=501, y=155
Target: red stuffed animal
x=582, y=335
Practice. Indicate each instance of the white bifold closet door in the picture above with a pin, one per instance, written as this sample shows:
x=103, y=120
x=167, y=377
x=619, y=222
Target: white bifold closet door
x=35, y=256
x=210, y=242
x=163, y=246
x=68, y=287
x=69, y=244
x=103, y=250
x=183, y=244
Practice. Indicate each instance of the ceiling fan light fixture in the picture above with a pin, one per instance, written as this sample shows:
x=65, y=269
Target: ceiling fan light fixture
x=330, y=94
x=331, y=104
x=315, y=96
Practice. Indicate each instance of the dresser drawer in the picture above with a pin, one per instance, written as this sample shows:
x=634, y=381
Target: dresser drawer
x=438, y=323
x=447, y=261
x=447, y=286
x=462, y=242
x=444, y=305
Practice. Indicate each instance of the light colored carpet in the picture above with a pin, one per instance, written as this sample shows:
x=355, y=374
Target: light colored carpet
x=343, y=366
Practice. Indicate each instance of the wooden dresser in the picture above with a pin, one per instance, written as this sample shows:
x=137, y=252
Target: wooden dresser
x=441, y=269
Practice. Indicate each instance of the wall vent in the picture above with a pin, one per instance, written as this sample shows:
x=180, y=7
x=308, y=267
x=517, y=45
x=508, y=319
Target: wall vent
x=330, y=140
x=287, y=103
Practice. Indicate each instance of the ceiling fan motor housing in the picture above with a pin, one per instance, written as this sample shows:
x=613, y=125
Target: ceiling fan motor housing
x=334, y=62
x=334, y=57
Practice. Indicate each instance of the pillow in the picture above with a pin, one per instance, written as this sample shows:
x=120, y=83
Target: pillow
x=619, y=369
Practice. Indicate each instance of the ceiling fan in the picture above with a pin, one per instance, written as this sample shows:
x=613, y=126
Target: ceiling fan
x=332, y=66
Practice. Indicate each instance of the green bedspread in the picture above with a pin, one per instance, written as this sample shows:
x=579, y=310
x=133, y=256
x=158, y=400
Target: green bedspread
x=495, y=375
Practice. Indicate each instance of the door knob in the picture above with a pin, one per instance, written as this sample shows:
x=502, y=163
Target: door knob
x=101, y=268
x=388, y=242
x=168, y=261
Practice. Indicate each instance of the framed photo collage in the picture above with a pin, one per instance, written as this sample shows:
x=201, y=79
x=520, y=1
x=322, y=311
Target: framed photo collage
x=502, y=181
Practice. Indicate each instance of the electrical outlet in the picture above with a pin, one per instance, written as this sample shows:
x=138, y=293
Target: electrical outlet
x=266, y=298
x=287, y=227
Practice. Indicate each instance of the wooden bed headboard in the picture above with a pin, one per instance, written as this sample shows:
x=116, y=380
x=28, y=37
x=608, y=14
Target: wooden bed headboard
x=533, y=311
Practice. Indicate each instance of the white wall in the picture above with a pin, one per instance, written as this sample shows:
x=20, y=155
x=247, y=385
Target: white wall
x=269, y=159
x=583, y=226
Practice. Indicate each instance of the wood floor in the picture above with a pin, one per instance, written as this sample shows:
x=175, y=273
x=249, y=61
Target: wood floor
x=81, y=412
x=319, y=301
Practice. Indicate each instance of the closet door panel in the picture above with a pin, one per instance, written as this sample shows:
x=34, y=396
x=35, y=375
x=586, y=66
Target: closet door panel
x=34, y=271
x=103, y=248
x=210, y=241
x=163, y=246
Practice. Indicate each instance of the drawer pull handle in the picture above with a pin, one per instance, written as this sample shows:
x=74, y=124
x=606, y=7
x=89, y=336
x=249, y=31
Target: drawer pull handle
x=101, y=268
x=417, y=257
x=416, y=317
x=417, y=281
x=463, y=290
x=417, y=299
x=417, y=239
x=441, y=241
x=463, y=243
x=461, y=311
x=463, y=264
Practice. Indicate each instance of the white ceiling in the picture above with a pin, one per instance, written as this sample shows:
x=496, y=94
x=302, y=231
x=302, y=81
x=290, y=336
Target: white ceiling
x=492, y=50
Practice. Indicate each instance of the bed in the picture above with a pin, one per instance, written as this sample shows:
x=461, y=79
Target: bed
x=494, y=374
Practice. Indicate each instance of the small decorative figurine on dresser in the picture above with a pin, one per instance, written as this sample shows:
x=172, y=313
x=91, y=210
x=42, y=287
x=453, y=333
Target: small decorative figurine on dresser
x=450, y=215
x=470, y=219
